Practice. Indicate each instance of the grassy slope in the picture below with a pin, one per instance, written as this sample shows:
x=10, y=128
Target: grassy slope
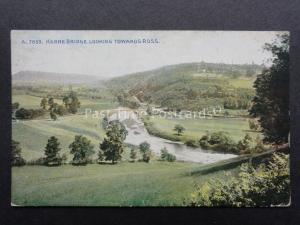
x=124, y=184
x=33, y=134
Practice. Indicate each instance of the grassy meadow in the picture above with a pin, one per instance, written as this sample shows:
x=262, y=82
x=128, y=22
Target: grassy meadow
x=196, y=128
x=33, y=134
x=125, y=184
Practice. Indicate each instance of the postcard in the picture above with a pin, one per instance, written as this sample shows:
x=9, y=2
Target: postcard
x=150, y=118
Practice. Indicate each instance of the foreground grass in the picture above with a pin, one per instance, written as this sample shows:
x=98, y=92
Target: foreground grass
x=125, y=184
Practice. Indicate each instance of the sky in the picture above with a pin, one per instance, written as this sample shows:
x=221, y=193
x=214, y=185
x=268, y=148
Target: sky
x=118, y=53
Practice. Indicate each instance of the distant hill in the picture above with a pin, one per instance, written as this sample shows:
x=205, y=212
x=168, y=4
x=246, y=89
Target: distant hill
x=169, y=74
x=53, y=78
x=187, y=86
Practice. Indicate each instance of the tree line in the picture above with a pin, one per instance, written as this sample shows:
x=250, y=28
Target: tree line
x=110, y=150
x=71, y=104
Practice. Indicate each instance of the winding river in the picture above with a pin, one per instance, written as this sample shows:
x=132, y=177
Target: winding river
x=137, y=133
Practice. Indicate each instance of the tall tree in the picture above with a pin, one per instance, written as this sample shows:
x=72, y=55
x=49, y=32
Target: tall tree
x=53, y=115
x=50, y=103
x=113, y=145
x=81, y=148
x=16, y=157
x=44, y=103
x=271, y=103
x=133, y=154
x=71, y=102
x=145, y=151
x=52, y=150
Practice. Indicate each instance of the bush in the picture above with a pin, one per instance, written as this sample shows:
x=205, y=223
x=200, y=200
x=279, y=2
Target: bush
x=133, y=154
x=203, y=142
x=266, y=185
x=218, y=141
x=29, y=113
x=145, y=151
x=191, y=143
x=166, y=156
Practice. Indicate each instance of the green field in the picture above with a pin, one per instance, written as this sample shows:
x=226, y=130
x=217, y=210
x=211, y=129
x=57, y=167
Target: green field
x=33, y=102
x=125, y=184
x=196, y=128
x=242, y=82
x=33, y=134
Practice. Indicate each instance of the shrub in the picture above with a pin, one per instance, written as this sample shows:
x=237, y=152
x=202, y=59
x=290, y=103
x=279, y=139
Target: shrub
x=203, y=142
x=166, y=156
x=245, y=145
x=218, y=141
x=191, y=143
x=29, y=113
x=133, y=154
x=266, y=185
x=145, y=151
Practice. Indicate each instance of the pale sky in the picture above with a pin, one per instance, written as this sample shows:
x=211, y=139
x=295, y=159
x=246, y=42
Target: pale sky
x=111, y=59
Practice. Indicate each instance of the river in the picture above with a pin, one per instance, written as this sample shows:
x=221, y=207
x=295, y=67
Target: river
x=137, y=133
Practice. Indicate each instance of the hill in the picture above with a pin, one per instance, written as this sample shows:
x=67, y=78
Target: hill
x=52, y=78
x=190, y=86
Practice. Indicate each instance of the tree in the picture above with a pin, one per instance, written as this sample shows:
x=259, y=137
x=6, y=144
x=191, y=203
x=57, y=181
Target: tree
x=271, y=103
x=53, y=116
x=29, y=113
x=59, y=110
x=82, y=149
x=44, y=103
x=16, y=157
x=50, y=103
x=145, y=151
x=71, y=102
x=100, y=155
x=113, y=145
x=265, y=185
x=105, y=123
x=23, y=114
x=133, y=154
x=149, y=110
x=179, y=129
x=52, y=150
